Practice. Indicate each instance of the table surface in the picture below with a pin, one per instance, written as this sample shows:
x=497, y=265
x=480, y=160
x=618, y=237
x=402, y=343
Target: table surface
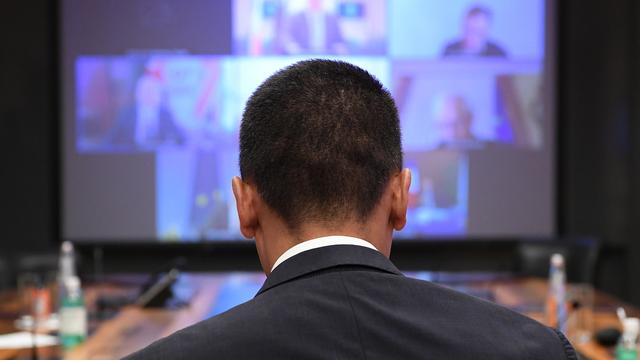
x=133, y=328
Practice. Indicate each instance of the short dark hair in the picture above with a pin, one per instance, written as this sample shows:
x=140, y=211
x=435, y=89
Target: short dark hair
x=320, y=140
x=479, y=9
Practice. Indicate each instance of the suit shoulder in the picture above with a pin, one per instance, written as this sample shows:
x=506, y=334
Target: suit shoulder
x=218, y=335
x=494, y=49
x=452, y=48
x=486, y=323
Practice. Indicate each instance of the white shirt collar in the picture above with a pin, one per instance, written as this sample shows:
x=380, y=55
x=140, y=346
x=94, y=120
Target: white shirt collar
x=318, y=243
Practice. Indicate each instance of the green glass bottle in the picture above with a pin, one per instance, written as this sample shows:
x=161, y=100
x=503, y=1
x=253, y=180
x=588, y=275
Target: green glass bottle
x=73, y=315
x=627, y=348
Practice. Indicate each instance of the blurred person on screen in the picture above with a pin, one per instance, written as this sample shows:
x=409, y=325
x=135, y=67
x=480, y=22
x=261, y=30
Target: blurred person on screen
x=148, y=122
x=453, y=121
x=314, y=30
x=322, y=190
x=475, y=39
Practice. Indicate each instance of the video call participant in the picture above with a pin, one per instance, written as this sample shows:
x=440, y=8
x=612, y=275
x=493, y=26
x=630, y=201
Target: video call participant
x=475, y=36
x=322, y=191
x=148, y=122
x=314, y=31
x=454, y=122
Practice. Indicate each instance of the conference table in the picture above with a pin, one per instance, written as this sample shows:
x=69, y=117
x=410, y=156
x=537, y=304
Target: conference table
x=132, y=328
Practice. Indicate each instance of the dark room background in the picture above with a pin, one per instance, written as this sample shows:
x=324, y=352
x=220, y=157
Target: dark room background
x=598, y=132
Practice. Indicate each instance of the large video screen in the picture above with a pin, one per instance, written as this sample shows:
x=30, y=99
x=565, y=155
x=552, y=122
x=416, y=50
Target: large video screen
x=153, y=93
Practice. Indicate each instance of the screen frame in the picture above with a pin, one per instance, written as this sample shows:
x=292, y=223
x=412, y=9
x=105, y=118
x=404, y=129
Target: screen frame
x=214, y=254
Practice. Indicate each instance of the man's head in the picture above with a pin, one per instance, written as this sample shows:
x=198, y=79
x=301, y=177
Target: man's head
x=476, y=26
x=320, y=154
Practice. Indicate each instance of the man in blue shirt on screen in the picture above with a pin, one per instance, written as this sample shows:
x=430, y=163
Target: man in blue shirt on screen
x=322, y=191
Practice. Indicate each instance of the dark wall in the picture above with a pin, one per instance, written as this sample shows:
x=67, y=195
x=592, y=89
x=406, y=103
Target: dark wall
x=599, y=131
x=27, y=126
x=599, y=139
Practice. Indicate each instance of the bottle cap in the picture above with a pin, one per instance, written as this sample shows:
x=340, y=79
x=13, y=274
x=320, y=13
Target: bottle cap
x=557, y=260
x=631, y=327
x=67, y=247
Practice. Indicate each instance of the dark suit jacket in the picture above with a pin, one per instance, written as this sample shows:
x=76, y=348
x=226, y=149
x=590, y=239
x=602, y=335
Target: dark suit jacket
x=350, y=302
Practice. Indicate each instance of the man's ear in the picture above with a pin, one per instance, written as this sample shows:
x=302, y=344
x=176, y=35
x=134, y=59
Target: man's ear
x=245, y=195
x=400, y=199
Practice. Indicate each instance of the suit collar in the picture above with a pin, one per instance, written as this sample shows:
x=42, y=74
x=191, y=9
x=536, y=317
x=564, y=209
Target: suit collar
x=318, y=243
x=327, y=257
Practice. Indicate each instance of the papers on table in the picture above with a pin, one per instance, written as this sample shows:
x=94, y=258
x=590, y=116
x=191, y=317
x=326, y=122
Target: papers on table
x=23, y=339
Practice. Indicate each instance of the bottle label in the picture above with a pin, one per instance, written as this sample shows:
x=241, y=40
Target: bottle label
x=73, y=321
x=626, y=354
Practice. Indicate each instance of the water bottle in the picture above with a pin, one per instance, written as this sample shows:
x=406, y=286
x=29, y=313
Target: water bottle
x=627, y=348
x=556, y=305
x=73, y=315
